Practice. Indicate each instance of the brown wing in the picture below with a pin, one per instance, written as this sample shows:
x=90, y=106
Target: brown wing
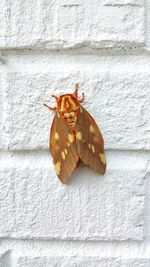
x=90, y=142
x=63, y=148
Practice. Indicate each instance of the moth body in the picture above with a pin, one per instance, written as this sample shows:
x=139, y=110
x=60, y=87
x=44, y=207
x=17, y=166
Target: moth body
x=75, y=137
x=68, y=106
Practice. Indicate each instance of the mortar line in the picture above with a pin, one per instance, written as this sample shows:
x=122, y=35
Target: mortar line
x=80, y=51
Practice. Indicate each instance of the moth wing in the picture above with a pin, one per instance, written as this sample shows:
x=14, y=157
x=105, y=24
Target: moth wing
x=63, y=148
x=90, y=142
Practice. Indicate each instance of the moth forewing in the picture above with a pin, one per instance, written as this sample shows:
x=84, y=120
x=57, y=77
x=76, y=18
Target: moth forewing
x=63, y=148
x=90, y=142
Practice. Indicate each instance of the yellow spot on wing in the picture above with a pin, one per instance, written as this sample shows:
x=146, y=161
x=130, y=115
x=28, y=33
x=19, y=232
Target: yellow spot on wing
x=102, y=158
x=58, y=114
x=57, y=167
x=65, y=151
x=56, y=147
x=71, y=138
x=79, y=136
x=93, y=149
x=63, y=155
x=95, y=139
x=56, y=136
x=92, y=130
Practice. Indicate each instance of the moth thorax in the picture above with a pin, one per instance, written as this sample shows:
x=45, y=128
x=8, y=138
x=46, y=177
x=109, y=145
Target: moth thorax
x=71, y=118
x=68, y=103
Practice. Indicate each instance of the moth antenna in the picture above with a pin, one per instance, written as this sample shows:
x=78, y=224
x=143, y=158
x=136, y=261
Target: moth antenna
x=76, y=90
x=55, y=97
x=82, y=99
x=50, y=108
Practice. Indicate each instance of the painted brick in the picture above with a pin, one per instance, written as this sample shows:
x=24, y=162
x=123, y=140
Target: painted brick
x=123, y=2
x=80, y=262
x=88, y=208
x=108, y=217
x=40, y=25
x=5, y=259
x=2, y=135
x=117, y=97
x=18, y=259
x=147, y=25
x=1, y=138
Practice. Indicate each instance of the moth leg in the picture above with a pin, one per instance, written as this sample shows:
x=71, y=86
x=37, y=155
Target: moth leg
x=82, y=99
x=76, y=94
x=56, y=97
x=76, y=90
x=50, y=108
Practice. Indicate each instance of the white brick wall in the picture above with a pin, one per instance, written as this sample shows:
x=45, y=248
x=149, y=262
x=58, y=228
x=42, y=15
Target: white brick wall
x=65, y=24
x=46, y=47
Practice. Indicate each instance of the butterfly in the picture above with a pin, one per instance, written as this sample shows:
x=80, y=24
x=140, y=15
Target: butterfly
x=74, y=137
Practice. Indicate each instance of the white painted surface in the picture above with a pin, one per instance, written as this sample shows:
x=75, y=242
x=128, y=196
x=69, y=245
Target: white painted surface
x=65, y=24
x=92, y=221
x=121, y=97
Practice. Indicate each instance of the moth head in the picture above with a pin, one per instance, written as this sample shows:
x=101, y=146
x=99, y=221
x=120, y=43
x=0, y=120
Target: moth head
x=67, y=102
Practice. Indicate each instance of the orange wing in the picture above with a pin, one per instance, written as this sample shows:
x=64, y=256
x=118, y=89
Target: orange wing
x=63, y=148
x=90, y=143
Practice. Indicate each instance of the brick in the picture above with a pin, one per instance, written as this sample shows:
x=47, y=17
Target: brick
x=2, y=135
x=147, y=25
x=0, y=114
x=123, y=2
x=88, y=208
x=80, y=261
x=5, y=259
x=47, y=25
x=116, y=95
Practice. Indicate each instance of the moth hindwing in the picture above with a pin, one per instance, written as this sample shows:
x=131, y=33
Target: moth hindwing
x=75, y=137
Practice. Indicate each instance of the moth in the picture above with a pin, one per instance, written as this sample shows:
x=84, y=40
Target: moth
x=74, y=137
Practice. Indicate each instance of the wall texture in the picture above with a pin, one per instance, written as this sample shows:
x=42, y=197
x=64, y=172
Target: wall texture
x=46, y=47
